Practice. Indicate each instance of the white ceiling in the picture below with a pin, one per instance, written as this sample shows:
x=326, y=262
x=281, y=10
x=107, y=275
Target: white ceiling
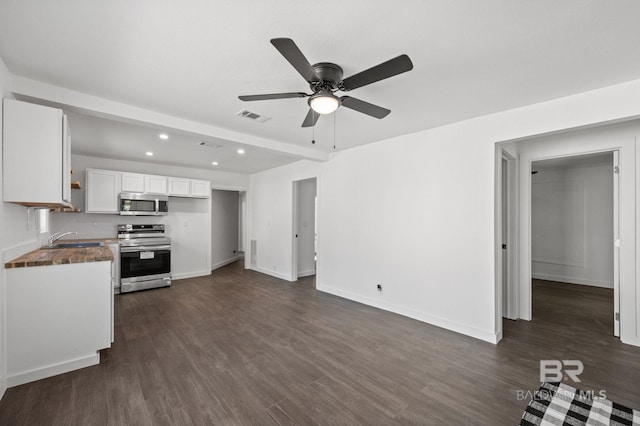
x=113, y=139
x=574, y=161
x=191, y=59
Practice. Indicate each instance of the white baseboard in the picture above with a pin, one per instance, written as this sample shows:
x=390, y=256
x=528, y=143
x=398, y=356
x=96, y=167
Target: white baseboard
x=3, y=386
x=226, y=262
x=189, y=275
x=53, y=370
x=276, y=274
x=467, y=330
x=572, y=280
x=633, y=342
x=306, y=273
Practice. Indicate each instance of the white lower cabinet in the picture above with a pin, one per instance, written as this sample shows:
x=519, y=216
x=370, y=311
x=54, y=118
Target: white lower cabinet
x=58, y=318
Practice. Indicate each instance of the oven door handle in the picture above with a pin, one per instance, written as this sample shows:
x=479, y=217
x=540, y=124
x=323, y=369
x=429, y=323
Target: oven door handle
x=144, y=248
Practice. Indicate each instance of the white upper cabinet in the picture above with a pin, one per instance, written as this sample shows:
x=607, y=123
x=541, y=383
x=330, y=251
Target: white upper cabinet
x=179, y=187
x=36, y=155
x=103, y=189
x=149, y=184
x=200, y=188
x=132, y=182
x=155, y=184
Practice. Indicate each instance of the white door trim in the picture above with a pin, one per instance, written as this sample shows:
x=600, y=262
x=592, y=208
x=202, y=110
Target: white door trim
x=510, y=183
x=616, y=243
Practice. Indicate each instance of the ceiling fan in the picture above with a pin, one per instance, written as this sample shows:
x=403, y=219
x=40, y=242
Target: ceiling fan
x=325, y=78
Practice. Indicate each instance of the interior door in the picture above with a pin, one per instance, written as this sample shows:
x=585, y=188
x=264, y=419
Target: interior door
x=616, y=245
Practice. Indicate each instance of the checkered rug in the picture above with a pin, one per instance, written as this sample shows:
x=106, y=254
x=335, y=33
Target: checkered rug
x=559, y=405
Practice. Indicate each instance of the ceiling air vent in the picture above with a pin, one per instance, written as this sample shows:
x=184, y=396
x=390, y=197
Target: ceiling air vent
x=210, y=144
x=253, y=116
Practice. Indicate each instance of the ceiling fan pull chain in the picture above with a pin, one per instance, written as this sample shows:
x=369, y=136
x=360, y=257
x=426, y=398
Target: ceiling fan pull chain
x=334, y=130
x=313, y=131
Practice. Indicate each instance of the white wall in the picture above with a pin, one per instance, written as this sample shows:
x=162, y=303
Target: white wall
x=417, y=213
x=17, y=236
x=224, y=227
x=572, y=224
x=188, y=224
x=270, y=217
x=305, y=224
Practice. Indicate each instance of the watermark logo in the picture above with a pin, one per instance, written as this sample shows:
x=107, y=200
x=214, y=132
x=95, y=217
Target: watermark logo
x=564, y=394
x=555, y=370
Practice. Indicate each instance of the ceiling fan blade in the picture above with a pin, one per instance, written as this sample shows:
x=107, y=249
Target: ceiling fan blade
x=392, y=67
x=311, y=119
x=292, y=53
x=364, y=107
x=272, y=96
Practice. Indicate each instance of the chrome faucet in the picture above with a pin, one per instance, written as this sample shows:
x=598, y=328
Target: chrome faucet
x=56, y=236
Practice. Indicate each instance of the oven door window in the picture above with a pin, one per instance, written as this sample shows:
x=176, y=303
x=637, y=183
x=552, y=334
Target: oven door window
x=145, y=262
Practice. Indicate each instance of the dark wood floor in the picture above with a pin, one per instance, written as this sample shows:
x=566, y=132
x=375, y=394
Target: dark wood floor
x=240, y=347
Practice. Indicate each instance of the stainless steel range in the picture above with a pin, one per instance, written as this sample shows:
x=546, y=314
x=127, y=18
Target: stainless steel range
x=145, y=257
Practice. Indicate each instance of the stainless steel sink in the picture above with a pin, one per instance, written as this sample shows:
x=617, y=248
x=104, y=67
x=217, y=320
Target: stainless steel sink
x=76, y=245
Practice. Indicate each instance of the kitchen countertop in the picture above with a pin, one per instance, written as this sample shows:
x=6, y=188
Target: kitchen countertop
x=45, y=256
x=90, y=240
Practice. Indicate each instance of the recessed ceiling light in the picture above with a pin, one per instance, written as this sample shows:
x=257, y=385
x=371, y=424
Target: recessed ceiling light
x=149, y=153
x=214, y=163
x=163, y=136
x=241, y=151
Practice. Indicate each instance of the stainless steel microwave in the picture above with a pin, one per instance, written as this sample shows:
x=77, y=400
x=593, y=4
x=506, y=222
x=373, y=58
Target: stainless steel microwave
x=135, y=204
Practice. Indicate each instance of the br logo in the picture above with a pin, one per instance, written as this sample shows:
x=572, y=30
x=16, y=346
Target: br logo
x=554, y=370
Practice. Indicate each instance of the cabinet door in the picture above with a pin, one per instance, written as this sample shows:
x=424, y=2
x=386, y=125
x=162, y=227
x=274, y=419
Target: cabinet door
x=66, y=160
x=32, y=153
x=200, y=188
x=179, y=187
x=132, y=182
x=155, y=184
x=103, y=188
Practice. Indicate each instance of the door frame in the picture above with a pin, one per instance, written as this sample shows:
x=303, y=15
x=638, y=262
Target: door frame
x=509, y=223
x=526, y=302
x=616, y=243
x=294, y=222
x=615, y=225
x=294, y=230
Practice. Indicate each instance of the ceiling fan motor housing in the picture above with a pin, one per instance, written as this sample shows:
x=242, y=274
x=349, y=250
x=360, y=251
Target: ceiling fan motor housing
x=329, y=74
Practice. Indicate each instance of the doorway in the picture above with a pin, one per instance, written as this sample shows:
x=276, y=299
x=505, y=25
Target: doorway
x=227, y=227
x=573, y=229
x=619, y=138
x=304, y=228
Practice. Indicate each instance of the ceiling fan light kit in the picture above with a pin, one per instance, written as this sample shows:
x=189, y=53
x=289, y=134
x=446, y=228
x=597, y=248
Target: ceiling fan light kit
x=324, y=102
x=325, y=78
